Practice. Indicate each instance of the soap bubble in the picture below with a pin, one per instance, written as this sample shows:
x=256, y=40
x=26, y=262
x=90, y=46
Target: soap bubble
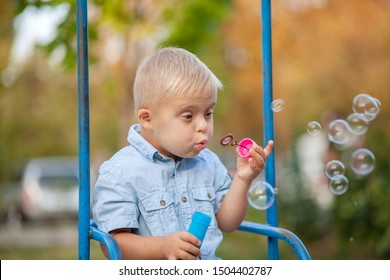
x=357, y=124
x=313, y=128
x=378, y=103
x=277, y=105
x=339, y=131
x=334, y=168
x=362, y=161
x=261, y=195
x=365, y=105
x=338, y=184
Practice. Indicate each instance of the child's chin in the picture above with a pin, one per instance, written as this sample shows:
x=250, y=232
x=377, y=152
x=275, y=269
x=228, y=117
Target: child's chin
x=192, y=154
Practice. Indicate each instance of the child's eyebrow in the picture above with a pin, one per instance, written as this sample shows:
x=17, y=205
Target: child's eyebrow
x=193, y=107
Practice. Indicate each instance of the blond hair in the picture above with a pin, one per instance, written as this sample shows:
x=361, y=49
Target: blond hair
x=172, y=73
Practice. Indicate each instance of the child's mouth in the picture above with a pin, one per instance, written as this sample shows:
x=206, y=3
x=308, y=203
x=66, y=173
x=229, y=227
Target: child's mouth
x=201, y=145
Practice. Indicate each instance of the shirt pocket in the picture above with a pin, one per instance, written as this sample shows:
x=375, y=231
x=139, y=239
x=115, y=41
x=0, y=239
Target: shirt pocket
x=204, y=198
x=158, y=211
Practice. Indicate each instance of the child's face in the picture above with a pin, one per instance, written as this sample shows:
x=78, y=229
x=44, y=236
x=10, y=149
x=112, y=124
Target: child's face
x=184, y=126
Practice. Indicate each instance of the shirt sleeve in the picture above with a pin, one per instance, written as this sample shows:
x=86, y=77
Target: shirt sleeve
x=114, y=202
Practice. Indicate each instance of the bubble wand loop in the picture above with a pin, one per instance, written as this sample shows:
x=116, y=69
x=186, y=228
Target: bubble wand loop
x=243, y=146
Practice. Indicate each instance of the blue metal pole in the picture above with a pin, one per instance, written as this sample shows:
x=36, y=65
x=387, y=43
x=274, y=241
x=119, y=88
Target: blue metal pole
x=268, y=120
x=83, y=130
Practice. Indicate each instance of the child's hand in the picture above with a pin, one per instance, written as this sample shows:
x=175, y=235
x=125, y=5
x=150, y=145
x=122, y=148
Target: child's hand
x=249, y=169
x=181, y=246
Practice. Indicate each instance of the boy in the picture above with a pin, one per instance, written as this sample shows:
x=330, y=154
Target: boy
x=147, y=192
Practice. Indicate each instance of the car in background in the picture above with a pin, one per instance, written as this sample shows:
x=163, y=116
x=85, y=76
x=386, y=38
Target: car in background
x=49, y=189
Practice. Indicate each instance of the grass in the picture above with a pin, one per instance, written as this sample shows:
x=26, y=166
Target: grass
x=235, y=246
x=48, y=253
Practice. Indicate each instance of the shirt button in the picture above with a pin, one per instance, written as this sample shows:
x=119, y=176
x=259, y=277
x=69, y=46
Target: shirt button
x=162, y=202
x=159, y=157
x=209, y=195
x=184, y=199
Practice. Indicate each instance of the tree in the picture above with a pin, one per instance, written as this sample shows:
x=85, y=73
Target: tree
x=324, y=53
x=120, y=34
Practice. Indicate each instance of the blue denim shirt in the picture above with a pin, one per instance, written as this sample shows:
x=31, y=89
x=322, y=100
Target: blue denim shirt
x=141, y=189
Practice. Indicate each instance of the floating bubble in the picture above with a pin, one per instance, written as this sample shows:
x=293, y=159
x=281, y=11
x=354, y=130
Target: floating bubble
x=378, y=103
x=338, y=184
x=334, y=168
x=362, y=161
x=339, y=131
x=313, y=128
x=261, y=195
x=357, y=124
x=365, y=105
x=277, y=105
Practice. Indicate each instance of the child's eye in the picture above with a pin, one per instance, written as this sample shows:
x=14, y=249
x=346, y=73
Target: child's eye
x=187, y=116
x=209, y=114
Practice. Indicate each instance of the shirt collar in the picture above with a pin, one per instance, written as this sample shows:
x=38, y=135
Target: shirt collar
x=138, y=142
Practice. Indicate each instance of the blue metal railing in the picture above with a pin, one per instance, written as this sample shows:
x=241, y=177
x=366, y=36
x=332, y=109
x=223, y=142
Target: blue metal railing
x=83, y=129
x=88, y=231
x=113, y=251
x=277, y=233
x=268, y=118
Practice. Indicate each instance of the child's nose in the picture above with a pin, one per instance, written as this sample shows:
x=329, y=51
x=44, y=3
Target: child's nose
x=201, y=125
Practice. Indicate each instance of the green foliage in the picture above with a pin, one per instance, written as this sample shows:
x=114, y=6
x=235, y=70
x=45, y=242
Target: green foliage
x=321, y=57
x=363, y=213
x=193, y=23
x=190, y=24
x=125, y=18
x=297, y=207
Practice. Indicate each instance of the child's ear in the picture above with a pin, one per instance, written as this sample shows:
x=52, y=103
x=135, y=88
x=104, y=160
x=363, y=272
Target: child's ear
x=145, y=118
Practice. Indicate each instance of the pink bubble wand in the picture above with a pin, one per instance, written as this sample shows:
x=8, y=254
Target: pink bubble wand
x=243, y=146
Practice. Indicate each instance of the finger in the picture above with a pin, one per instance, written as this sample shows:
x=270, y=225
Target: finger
x=258, y=155
x=188, y=237
x=193, y=250
x=257, y=149
x=256, y=162
x=191, y=244
x=184, y=255
x=268, y=149
x=190, y=247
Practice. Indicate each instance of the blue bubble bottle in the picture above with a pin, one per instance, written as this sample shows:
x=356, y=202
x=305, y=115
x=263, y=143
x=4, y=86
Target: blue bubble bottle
x=200, y=223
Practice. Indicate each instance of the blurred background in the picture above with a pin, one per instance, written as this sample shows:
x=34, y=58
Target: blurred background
x=325, y=53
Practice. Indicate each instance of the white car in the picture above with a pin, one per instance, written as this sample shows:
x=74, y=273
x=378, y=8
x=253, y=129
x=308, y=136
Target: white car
x=50, y=188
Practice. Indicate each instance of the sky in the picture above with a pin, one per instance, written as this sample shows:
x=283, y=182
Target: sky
x=35, y=26
x=31, y=28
